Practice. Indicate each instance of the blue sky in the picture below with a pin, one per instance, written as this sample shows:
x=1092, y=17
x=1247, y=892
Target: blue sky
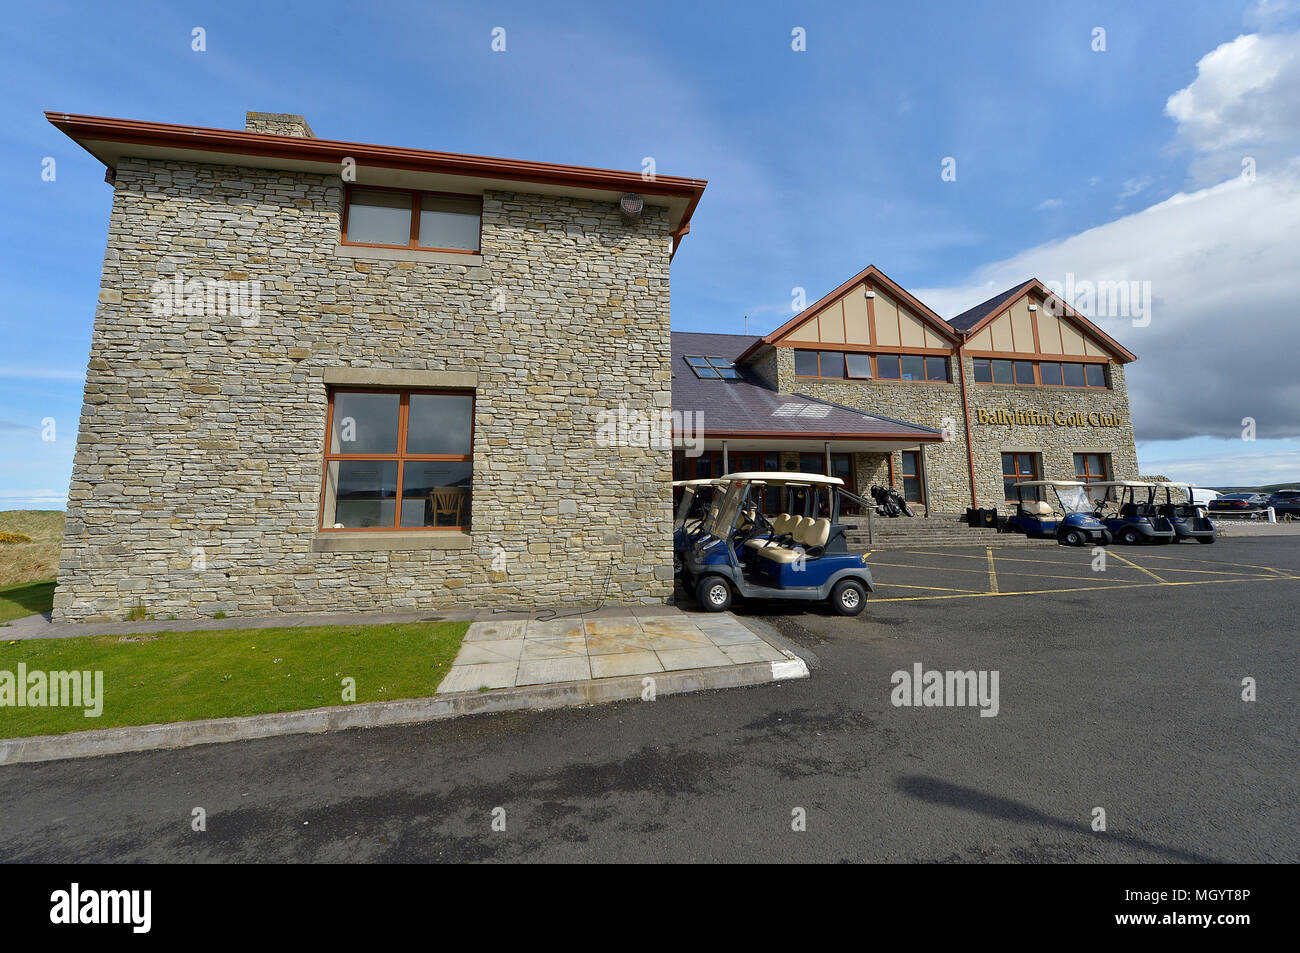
x=820, y=162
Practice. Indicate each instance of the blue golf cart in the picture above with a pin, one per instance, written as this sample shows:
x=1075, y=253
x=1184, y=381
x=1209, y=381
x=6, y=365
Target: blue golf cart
x=1128, y=509
x=1190, y=521
x=696, y=499
x=1071, y=521
x=800, y=553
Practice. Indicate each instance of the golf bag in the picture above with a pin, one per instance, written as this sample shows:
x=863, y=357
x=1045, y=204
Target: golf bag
x=889, y=502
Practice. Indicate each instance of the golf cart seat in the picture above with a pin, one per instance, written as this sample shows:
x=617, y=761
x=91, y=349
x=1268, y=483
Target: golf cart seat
x=1037, y=508
x=810, y=534
x=781, y=526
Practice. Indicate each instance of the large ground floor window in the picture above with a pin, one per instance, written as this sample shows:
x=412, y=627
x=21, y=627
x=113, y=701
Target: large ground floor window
x=398, y=459
x=1017, y=468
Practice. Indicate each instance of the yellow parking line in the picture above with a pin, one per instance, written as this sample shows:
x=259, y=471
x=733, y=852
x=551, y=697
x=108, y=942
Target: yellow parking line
x=1037, y=575
x=899, y=585
x=1129, y=562
x=993, y=573
x=1039, y=592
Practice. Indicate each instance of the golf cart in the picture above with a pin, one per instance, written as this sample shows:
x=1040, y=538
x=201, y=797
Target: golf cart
x=1190, y=519
x=799, y=554
x=692, y=509
x=1071, y=522
x=1135, y=518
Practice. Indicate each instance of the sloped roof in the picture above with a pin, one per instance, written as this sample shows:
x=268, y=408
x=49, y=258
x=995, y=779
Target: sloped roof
x=750, y=406
x=973, y=316
x=870, y=273
x=972, y=319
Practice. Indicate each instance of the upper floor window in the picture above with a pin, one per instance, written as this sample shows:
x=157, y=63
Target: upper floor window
x=432, y=221
x=713, y=368
x=398, y=459
x=1044, y=373
x=857, y=366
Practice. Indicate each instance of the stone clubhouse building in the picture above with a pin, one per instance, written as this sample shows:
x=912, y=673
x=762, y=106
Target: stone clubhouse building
x=330, y=376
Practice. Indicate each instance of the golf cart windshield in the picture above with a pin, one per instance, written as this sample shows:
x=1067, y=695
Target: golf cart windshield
x=1074, y=499
x=720, y=525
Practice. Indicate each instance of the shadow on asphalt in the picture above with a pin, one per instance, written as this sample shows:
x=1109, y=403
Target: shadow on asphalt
x=943, y=793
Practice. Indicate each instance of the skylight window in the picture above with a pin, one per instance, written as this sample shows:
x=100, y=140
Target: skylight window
x=713, y=368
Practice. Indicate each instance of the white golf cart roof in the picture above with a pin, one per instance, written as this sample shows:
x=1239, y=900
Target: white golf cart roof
x=1125, y=483
x=677, y=483
x=1051, y=483
x=1185, y=486
x=760, y=476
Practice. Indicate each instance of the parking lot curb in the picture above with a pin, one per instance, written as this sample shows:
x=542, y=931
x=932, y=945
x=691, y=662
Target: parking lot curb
x=90, y=744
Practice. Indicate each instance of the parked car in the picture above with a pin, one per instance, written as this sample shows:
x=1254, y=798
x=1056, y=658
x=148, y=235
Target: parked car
x=1285, y=502
x=1238, y=503
x=1202, y=497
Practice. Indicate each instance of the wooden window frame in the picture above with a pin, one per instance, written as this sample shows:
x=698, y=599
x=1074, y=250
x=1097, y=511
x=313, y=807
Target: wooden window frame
x=1087, y=476
x=1017, y=475
x=874, y=356
x=401, y=457
x=1038, y=373
x=919, y=477
x=414, y=243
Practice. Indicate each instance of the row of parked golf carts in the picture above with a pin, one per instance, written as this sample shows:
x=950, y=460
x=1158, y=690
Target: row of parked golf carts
x=1124, y=511
x=725, y=544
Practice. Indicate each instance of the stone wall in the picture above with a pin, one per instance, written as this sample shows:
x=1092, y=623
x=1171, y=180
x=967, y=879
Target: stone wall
x=1055, y=444
x=197, y=478
x=278, y=124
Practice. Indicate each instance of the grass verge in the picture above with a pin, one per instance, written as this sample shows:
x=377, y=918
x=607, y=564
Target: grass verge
x=185, y=676
x=29, y=598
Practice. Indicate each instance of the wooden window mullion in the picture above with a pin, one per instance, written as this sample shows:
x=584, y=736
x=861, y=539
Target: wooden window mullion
x=415, y=220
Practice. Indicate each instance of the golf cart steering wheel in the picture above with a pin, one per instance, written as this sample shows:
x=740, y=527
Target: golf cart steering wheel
x=759, y=524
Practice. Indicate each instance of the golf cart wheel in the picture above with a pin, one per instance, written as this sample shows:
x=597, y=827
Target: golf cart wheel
x=713, y=594
x=1129, y=537
x=849, y=597
x=1073, y=537
x=1206, y=539
x=1106, y=537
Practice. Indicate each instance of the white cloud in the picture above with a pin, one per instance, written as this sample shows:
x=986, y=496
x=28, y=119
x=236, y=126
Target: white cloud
x=1222, y=267
x=1134, y=186
x=1267, y=14
x=1242, y=103
x=1046, y=204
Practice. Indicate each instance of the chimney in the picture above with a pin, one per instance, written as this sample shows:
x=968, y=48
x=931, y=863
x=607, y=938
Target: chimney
x=278, y=124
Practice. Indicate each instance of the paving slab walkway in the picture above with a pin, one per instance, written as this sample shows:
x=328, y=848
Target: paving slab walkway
x=510, y=653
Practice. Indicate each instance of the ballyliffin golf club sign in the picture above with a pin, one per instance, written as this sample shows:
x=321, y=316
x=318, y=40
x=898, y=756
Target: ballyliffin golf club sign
x=1038, y=418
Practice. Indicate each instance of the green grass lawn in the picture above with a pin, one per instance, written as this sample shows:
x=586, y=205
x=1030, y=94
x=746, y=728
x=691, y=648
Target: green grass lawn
x=183, y=676
x=29, y=598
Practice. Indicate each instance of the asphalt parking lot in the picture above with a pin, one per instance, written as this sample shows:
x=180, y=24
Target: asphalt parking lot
x=1118, y=689
x=956, y=574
